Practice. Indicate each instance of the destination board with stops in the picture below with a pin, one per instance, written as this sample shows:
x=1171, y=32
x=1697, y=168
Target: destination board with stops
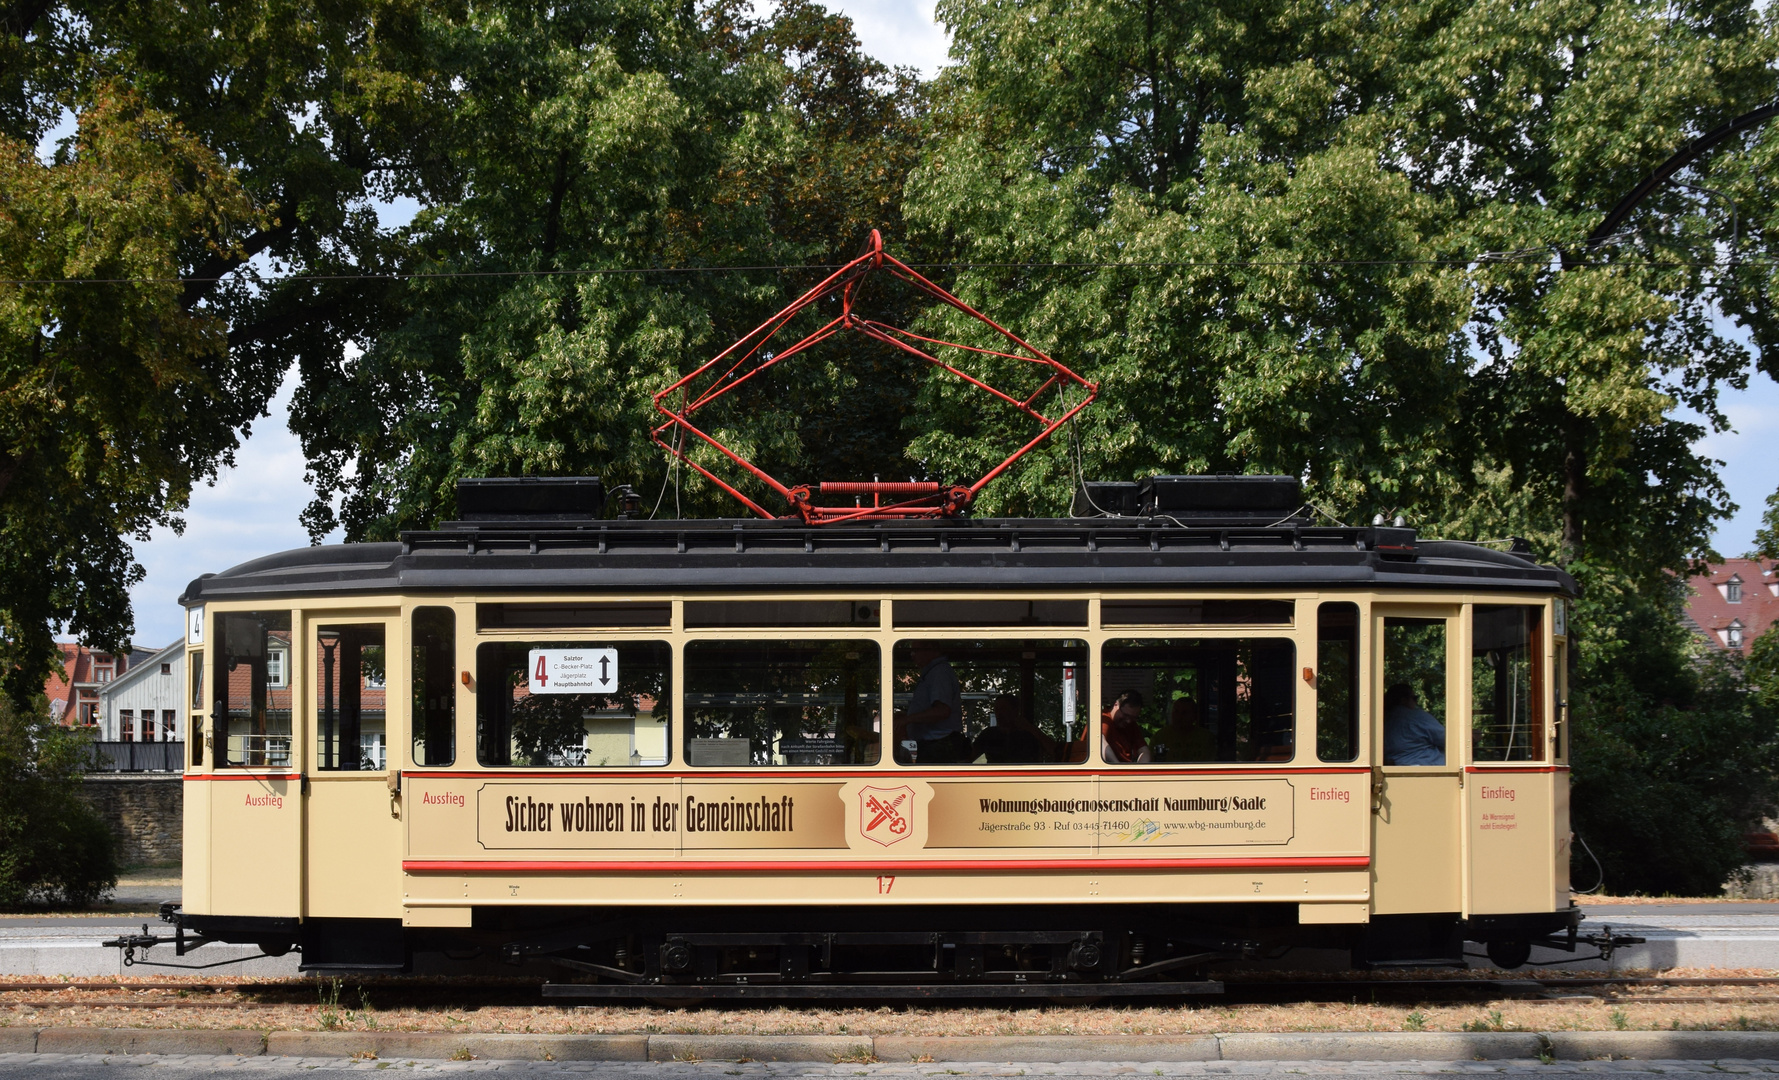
x=573, y=671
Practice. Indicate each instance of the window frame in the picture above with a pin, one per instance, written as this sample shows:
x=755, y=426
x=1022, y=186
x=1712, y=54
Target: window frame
x=470, y=713
x=897, y=639
x=1541, y=651
x=1457, y=693
x=1291, y=635
x=879, y=637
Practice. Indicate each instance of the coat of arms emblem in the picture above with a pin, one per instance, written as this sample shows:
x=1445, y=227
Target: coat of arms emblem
x=886, y=815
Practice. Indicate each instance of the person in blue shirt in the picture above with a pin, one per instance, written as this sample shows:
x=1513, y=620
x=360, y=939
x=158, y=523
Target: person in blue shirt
x=1412, y=735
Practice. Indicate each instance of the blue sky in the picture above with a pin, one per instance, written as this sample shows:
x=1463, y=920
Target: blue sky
x=252, y=509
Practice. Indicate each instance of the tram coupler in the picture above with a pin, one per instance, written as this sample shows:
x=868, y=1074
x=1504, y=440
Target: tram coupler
x=145, y=941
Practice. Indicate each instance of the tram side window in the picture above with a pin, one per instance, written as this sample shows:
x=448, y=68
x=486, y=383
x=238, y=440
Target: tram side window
x=1019, y=702
x=196, y=726
x=782, y=702
x=1201, y=700
x=251, y=712
x=1506, y=684
x=1414, y=691
x=573, y=704
x=434, y=686
x=352, y=722
x=1337, y=682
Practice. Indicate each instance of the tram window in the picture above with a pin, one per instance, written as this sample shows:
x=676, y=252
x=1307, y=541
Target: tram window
x=1506, y=684
x=1560, y=721
x=352, y=721
x=782, y=702
x=1202, y=700
x=434, y=686
x=196, y=733
x=1020, y=702
x=250, y=716
x=705, y=614
x=1414, y=691
x=1196, y=612
x=539, y=704
x=616, y=615
x=940, y=614
x=1337, y=682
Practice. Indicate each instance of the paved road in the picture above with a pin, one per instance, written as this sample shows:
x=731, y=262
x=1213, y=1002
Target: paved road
x=86, y=1067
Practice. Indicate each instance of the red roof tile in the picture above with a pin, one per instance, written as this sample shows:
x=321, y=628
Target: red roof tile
x=1709, y=607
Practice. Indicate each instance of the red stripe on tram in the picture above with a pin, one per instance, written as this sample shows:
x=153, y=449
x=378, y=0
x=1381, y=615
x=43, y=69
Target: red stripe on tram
x=866, y=865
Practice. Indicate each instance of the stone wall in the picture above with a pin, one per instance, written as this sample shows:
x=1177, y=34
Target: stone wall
x=145, y=812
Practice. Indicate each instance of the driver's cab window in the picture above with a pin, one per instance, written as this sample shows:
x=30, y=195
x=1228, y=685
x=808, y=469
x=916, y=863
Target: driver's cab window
x=251, y=711
x=351, y=713
x=1414, y=691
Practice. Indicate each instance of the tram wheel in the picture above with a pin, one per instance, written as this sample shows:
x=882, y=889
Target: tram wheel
x=274, y=948
x=1508, y=955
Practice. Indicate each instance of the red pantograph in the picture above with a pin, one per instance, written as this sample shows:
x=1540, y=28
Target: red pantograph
x=746, y=359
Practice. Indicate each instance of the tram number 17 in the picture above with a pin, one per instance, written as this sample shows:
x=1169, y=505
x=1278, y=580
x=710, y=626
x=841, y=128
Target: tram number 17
x=885, y=882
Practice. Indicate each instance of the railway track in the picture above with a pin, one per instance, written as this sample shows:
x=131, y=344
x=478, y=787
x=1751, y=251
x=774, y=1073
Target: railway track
x=390, y=993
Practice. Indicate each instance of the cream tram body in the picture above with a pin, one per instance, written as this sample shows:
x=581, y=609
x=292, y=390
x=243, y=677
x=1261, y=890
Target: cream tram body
x=448, y=824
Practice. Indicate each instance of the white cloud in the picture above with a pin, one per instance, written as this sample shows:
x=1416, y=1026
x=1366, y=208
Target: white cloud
x=901, y=33
x=252, y=511
x=1747, y=455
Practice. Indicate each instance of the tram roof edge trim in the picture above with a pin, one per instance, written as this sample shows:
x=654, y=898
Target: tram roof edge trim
x=974, y=554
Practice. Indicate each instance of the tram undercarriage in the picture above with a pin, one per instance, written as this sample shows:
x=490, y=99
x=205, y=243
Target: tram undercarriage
x=790, y=953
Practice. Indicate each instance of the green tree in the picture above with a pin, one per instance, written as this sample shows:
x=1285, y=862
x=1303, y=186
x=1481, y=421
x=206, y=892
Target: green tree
x=1675, y=757
x=590, y=145
x=53, y=846
x=1349, y=241
x=137, y=340
x=1766, y=538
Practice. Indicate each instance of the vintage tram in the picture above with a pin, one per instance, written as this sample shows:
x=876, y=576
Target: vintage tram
x=685, y=759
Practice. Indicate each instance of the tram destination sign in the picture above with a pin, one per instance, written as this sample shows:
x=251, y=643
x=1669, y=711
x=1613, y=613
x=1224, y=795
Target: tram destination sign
x=573, y=671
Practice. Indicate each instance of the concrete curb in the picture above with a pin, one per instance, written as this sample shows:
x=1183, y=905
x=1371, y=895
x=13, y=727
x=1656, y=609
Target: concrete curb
x=385, y=1045
x=829, y=1048
x=1046, y=1048
x=210, y=1041
x=1685, y=1045
x=1258, y=1046
x=1382, y=1045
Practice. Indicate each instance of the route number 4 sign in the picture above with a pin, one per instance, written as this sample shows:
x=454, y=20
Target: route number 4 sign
x=573, y=671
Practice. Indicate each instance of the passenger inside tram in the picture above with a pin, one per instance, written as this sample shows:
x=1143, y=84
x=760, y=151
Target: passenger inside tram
x=1412, y=735
x=1123, y=736
x=1206, y=700
x=1013, y=739
x=1185, y=737
x=1021, y=701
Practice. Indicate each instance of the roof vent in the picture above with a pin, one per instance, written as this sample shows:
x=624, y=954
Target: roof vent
x=495, y=499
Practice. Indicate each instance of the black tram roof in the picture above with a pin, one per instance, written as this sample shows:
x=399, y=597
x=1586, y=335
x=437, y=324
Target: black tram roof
x=786, y=556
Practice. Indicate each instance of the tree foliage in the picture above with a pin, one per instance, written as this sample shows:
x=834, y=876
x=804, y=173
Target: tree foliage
x=53, y=846
x=591, y=145
x=1676, y=757
x=1348, y=246
x=137, y=341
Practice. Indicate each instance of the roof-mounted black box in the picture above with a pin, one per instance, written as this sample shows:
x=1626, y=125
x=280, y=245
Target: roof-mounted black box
x=530, y=498
x=1221, y=496
x=1098, y=498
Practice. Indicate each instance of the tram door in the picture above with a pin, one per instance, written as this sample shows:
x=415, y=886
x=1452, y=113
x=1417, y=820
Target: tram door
x=1417, y=797
x=352, y=836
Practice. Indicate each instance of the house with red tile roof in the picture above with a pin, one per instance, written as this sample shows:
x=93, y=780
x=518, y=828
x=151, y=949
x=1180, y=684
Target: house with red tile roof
x=73, y=691
x=1733, y=603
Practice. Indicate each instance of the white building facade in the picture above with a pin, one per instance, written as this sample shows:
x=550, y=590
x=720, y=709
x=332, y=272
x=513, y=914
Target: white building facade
x=147, y=703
